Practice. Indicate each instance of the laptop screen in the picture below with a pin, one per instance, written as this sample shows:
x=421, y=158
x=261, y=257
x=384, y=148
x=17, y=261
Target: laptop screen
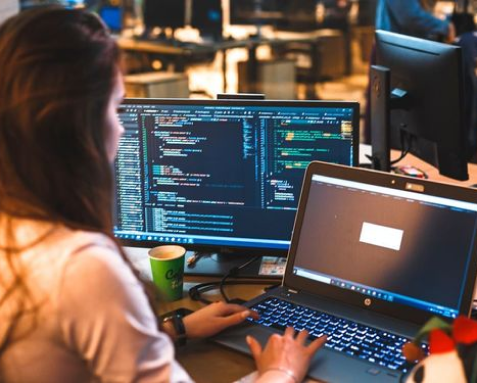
x=393, y=245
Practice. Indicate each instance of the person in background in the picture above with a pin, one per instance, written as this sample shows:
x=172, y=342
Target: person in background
x=72, y=308
x=414, y=18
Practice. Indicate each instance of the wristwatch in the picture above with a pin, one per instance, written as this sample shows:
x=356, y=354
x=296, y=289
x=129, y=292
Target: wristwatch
x=179, y=328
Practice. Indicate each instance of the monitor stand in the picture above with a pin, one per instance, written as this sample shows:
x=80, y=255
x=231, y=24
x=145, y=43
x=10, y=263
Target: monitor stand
x=383, y=100
x=380, y=113
x=214, y=265
x=220, y=264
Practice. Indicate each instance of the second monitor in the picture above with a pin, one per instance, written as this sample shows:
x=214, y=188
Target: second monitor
x=417, y=103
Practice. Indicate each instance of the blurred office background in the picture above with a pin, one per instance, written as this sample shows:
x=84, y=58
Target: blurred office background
x=204, y=46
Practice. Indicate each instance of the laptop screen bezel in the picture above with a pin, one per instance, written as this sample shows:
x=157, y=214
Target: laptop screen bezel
x=241, y=250
x=393, y=309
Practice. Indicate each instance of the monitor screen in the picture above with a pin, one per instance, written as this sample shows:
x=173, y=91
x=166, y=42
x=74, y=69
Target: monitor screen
x=207, y=17
x=222, y=174
x=164, y=13
x=426, y=77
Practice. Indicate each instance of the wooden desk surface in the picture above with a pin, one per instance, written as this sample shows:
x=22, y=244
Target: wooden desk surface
x=433, y=173
x=430, y=170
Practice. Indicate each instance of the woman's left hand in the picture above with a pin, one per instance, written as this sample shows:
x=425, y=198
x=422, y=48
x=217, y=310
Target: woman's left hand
x=214, y=318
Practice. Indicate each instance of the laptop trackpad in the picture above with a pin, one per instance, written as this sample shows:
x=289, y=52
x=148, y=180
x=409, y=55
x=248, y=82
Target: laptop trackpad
x=327, y=365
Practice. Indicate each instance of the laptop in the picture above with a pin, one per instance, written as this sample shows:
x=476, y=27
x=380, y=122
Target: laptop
x=373, y=256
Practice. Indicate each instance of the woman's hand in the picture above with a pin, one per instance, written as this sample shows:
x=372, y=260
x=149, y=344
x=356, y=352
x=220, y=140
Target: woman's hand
x=214, y=318
x=285, y=354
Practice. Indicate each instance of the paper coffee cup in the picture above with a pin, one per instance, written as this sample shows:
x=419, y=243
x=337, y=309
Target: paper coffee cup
x=167, y=266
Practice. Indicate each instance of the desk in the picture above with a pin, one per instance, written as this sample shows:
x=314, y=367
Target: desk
x=184, y=52
x=209, y=363
x=430, y=170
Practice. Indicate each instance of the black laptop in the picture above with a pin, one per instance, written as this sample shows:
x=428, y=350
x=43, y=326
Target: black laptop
x=373, y=256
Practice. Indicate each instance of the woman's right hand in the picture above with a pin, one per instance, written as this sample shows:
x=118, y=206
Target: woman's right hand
x=285, y=354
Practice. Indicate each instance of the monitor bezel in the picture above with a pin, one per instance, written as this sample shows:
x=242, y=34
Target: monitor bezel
x=246, y=250
x=392, y=181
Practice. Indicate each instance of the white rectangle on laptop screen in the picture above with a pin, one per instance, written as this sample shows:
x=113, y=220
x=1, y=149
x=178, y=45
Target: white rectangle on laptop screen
x=381, y=236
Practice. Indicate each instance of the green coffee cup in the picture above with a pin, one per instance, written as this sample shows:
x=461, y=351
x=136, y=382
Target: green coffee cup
x=167, y=266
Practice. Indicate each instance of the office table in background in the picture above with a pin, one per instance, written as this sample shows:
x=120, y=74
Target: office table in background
x=184, y=52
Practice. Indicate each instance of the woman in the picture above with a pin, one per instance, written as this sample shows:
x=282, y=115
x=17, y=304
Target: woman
x=71, y=307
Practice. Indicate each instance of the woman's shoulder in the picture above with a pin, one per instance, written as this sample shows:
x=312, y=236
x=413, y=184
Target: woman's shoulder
x=78, y=240
x=28, y=236
x=47, y=249
x=83, y=264
x=91, y=253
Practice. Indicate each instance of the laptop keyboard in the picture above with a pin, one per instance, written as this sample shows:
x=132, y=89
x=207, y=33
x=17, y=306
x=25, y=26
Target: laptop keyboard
x=351, y=338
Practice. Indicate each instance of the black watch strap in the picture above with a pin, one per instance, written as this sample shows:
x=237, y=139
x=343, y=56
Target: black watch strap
x=179, y=328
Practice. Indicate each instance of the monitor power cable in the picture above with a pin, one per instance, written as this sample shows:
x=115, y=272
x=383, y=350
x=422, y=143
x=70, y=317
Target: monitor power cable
x=234, y=272
x=196, y=292
x=406, y=147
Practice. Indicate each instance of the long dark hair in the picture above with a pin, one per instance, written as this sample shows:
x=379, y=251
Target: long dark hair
x=58, y=69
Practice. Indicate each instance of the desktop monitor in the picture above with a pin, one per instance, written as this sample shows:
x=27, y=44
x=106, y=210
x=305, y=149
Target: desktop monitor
x=223, y=175
x=207, y=17
x=257, y=12
x=417, y=103
x=164, y=13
